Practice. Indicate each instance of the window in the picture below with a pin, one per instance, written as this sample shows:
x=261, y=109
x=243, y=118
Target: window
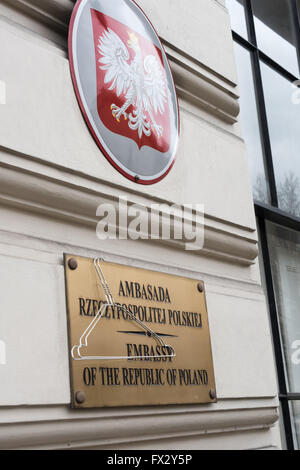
x=250, y=124
x=266, y=37
x=283, y=121
x=275, y=32
x=238, y=17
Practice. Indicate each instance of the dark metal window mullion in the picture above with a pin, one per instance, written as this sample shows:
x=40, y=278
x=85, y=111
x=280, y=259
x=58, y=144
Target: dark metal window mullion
x=250, y=22
x=286, y=416
x=276, y=334
x=277, y=216
x=291, y=396
x=264, y=129
x=263, y=57
x=296, y=23
x=277, y=67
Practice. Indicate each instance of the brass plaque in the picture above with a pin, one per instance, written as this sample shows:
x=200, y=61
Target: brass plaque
x=115, y=360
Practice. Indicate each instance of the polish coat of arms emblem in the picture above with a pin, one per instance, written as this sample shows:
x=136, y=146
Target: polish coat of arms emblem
x=124, y=87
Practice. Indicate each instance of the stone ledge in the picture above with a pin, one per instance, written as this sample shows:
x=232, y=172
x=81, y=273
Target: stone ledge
x=130, y=429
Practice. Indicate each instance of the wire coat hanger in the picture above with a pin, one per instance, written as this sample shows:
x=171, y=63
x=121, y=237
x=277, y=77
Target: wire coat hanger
x=110, y=302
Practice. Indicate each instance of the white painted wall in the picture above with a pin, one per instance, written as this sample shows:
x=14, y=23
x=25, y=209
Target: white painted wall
x=2, y=353
x=53, y=176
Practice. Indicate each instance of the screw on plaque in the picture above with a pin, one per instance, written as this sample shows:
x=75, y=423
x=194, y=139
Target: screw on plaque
x=72, y=263
x=200, y=287
x=80, y=397
x=212, y=394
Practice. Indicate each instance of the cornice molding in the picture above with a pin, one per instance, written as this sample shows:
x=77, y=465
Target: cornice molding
x=130, y=429
x=54, y=13
x=204, y=93
x=195, y=83
x=50, y=193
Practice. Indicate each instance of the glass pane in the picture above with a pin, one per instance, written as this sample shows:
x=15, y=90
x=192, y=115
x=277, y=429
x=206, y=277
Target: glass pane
x=275, y=33
x=237, y=16
x=250, y=125
x=284, y=123
x=282, y=429
x=295, y=414
x=284, y=248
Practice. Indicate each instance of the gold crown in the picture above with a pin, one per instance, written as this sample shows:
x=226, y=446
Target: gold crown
x=133, y=39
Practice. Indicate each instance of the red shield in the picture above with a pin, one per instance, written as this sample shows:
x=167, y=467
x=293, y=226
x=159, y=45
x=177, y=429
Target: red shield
x=128, y=104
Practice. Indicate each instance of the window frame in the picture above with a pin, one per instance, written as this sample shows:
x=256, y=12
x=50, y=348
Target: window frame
x=271, y=212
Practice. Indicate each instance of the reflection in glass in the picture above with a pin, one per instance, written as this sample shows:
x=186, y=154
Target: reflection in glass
x=282, y=429
x=284, y=124
x=275, y=33
x=237, y=17
x=295, y=414
x=284, y=248
x=250, y=125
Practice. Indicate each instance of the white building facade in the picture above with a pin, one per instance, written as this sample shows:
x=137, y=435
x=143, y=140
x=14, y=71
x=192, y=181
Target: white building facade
x=52, y=179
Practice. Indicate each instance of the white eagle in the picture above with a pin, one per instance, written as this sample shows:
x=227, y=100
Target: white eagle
x=141, y=81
